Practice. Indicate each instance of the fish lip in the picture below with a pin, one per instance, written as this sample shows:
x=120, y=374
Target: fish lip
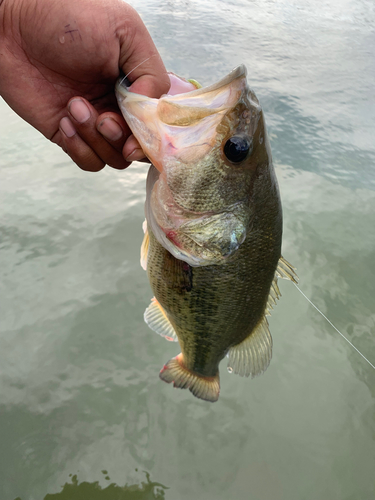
x=124, y=91
x=123, y=82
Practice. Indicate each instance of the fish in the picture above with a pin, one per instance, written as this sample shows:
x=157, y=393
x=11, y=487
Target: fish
x=213, y=229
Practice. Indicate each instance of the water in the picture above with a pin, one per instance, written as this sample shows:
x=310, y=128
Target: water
x=79, y=386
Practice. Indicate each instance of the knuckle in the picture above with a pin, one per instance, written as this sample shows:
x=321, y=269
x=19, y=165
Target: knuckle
x=118, y=163
x=89, y=162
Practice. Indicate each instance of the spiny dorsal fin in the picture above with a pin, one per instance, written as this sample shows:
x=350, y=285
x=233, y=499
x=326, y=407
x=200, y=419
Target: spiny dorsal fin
x=144, y=246
x=207, y=388
x=253, y=355
x=283, y=270
x=157, y=320
x=274, y=295
x=286, y=270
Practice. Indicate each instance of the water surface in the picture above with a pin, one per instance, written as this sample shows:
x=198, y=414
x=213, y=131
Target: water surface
x=79, y=387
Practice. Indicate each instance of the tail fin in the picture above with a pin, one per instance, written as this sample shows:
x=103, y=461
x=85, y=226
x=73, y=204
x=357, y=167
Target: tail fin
x=207, y=388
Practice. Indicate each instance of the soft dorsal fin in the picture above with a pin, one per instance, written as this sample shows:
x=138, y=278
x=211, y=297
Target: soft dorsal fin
x=157, y=320
x=253, y=355
x=283, y=270
x=144, y=246
x=273, y=296
x=286, y=270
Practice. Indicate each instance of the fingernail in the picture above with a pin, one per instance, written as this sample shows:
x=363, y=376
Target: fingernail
x=110, y=129
x=137, y=154
x=67, y=127
x=79, y=110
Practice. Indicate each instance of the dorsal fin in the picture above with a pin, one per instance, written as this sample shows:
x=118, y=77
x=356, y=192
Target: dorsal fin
x=157, y=319
x=273, y=296
x=286, y=270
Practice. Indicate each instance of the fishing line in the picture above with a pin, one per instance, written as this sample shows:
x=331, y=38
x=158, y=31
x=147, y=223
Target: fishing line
x=126, y=76
x=330, y=322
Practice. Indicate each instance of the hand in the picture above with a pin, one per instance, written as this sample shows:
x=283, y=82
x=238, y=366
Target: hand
x=55, y=52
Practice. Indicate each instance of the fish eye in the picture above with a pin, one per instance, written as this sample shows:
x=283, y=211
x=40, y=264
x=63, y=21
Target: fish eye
x=237, y=148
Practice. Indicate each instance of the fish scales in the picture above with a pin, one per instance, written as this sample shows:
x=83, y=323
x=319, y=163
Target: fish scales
x=237, y=290
x=212, y=244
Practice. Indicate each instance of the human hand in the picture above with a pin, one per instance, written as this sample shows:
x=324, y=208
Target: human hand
x=53, y=53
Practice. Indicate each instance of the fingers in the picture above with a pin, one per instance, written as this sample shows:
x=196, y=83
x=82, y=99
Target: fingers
x=132, y=150
x=108, y=125
x=92, y=141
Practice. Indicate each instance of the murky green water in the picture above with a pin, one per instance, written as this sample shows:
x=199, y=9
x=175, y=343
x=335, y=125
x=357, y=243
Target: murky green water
x=79, y=387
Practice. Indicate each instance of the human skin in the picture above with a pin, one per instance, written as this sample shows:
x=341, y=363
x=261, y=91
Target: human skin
x=59, y=61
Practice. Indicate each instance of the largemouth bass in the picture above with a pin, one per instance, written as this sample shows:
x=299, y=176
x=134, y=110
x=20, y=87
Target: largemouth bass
x=212, y=244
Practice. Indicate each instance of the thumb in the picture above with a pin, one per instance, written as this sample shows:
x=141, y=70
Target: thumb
x=139, y=58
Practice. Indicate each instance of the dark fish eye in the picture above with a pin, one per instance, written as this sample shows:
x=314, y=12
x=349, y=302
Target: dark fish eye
x=237, y=148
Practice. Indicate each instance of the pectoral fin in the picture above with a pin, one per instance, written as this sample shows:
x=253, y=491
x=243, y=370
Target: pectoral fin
x=157, y=320
x=144, y=246
x=253, y=355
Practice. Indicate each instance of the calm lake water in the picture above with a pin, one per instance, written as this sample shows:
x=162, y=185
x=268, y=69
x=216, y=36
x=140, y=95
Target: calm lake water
x=79, y=388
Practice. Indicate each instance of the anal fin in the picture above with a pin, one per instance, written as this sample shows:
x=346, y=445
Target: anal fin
x=206, y=388
x=253, y=355
x=157, y=319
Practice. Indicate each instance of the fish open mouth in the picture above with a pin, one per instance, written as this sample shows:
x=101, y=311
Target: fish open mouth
x=182, y=125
